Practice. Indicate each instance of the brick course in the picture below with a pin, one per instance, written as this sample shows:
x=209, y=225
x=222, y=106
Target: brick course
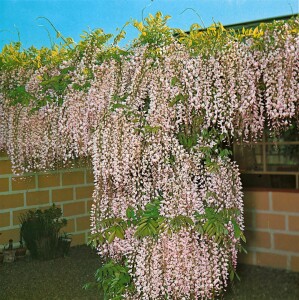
x=84, y=192
x=83, y=223
x=5, y=167
x=61, y=195
x=48, y=180
x=37, y=198
x=259, y=239
x=72, y=178
x=74, y=209
x=4, y=184
x=5, y=219
x=9, y=201
x=270, y=221
x=248, y=219
x=286, y=202
x=295, y=263
x=23, y=183
x=271, y=260
x=272, y=229
x=70, y=227
x=256, y=200
x=294, y=223
x=286, y=242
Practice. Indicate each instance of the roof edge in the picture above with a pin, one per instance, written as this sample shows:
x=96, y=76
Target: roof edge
x=254, y=23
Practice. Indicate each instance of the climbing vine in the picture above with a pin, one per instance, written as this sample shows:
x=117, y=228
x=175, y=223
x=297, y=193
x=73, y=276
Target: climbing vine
x=157, y=120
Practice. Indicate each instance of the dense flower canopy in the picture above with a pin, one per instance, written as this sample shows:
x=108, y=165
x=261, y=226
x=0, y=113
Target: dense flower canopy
x=157, y=120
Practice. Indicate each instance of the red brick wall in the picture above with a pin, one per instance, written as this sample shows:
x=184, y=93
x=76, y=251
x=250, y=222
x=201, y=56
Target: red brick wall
x=272, y=229
x=70, y=189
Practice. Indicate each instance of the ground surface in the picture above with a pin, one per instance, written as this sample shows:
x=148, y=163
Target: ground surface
x=63, y=278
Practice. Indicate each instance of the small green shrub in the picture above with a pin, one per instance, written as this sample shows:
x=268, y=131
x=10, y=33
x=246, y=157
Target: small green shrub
x=40, y=231
x=113, y=279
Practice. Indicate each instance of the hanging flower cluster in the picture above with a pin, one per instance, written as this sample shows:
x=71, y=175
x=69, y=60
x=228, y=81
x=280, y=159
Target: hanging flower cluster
x=157, y=120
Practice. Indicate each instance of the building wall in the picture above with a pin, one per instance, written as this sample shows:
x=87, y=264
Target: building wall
x=271, y=218
x=272, y=229
x=70, y=189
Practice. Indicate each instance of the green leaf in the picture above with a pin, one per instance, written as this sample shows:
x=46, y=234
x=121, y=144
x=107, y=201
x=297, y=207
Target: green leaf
x=117, y=105
x=178, y=98
x=119, y=232
x=111, y=237
x=83, y=87
x=231, y=275
x=140, y=230
x=114, y=279
x=20, y=95
x=130, y=213
x=242, y=236
x=188, y=220
x=242, y=249
x=174, y=81
x=152, y=229
x=151, y=129
x=199, y=228
x=147, y=226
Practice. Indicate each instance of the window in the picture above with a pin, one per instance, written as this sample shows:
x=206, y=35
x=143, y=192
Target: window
x=270, y=163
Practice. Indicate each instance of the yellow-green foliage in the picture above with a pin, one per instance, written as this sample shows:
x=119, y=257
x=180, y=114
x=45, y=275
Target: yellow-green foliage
x=153, y=31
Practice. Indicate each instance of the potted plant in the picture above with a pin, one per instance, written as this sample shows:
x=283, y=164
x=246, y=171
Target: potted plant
x=40, y=231
x=21, y=251
x=9, y=252
x=64, y=242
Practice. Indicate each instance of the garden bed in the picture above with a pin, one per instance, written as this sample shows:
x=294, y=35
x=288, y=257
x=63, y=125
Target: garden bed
x=63, y=278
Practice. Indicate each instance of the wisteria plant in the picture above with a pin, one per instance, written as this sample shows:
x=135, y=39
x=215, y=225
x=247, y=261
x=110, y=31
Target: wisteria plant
x=157, y=120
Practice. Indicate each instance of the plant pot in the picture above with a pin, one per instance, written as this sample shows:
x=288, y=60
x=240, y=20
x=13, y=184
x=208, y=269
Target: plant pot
x=9, y=256
x=21, y=253
x=47, y=247
x=64, y=245
x=1, y=257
